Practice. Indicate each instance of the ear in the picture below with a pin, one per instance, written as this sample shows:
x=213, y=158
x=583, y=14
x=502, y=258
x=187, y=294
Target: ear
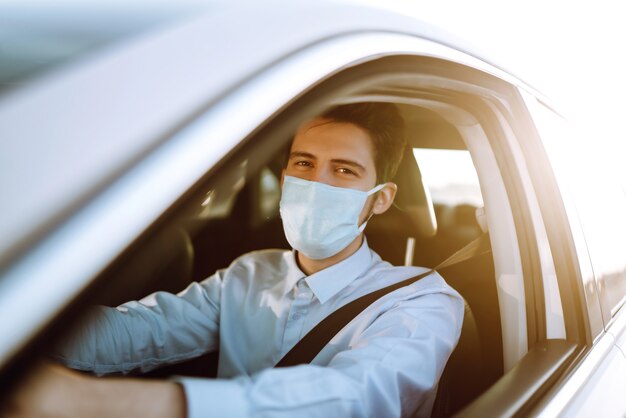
x=384, y=198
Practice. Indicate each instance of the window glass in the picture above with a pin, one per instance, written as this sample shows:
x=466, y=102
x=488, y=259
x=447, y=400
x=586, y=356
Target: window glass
x=599, y=200
x=450, y=176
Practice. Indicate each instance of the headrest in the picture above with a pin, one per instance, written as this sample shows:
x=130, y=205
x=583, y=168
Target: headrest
x=412, y=213
x=413, y=197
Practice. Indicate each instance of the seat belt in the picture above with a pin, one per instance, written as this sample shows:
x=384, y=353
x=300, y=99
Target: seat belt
x=316, y=339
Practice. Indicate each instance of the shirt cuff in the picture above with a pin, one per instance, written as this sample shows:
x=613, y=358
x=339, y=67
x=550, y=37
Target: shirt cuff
x=214, y=397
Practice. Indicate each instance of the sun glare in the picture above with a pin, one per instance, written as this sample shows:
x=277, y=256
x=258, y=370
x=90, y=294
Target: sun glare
x=449, y=175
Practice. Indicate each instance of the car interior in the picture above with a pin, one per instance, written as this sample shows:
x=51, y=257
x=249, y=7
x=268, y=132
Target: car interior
x=240, y=213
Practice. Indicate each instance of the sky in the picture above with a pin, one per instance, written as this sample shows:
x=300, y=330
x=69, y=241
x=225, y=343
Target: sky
x=572, y=51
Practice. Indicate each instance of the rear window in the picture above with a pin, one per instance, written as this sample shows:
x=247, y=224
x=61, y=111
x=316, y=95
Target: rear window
x=450, y=176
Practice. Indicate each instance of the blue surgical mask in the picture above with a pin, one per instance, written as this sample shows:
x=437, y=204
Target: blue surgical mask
x=320, y=220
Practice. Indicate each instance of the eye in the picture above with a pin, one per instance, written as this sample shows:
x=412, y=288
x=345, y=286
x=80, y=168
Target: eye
x=344, y=170
x=303, y=163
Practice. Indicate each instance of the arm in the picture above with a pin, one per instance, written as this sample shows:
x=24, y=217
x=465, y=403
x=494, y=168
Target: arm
x=160, y=329
x=391, y=369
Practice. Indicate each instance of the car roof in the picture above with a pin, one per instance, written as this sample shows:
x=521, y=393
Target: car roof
x=68, y=134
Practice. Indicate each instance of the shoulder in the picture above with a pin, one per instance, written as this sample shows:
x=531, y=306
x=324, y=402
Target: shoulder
x=384, y=271
x=260, y=264
x=431, y=282
x=266, y=257
x=428, y=292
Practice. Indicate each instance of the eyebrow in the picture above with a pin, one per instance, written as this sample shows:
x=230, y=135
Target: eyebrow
x=351, y=163
x=303, y=154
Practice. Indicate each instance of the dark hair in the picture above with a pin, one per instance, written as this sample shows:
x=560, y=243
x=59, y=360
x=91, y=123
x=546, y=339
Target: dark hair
x=385, y=126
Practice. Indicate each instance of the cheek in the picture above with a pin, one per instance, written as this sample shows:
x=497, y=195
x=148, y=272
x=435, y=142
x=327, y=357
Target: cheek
x=296, y=171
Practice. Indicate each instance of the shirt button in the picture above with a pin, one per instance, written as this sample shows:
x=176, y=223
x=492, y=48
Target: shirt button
x=295, y=317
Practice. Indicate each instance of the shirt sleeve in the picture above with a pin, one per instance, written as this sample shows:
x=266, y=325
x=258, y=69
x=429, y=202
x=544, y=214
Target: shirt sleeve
x=390, y=370
x=160, y=329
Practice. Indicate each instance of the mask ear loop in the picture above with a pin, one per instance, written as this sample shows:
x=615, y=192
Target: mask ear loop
x=376, y=189
x=371, y=192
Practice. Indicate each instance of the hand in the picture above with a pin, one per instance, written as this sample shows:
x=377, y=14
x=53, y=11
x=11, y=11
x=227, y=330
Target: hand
x=51, y=390
x=47, y=391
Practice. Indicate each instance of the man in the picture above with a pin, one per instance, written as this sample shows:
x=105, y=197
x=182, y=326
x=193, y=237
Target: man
x=386, y=362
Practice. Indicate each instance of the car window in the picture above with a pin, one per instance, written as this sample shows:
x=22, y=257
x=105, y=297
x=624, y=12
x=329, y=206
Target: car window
x=599, y=200
x=246, y=218
x=450, y=175
x=234, y=210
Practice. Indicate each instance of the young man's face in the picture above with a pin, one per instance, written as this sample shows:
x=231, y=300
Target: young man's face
x=341, y=155
x=338, y=154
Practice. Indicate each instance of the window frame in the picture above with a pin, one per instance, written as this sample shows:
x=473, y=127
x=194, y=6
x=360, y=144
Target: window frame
x=560, y=201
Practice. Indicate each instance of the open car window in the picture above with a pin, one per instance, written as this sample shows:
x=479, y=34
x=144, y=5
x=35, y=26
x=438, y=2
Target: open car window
x=236, y=211
x=464, y=149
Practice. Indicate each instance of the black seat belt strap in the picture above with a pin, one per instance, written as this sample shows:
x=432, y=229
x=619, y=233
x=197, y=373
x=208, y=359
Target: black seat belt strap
x=313, y=342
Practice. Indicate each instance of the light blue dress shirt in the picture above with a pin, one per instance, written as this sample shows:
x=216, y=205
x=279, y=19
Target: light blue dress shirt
x=384, y=363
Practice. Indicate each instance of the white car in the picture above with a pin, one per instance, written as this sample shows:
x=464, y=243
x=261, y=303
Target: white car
x=141, y=149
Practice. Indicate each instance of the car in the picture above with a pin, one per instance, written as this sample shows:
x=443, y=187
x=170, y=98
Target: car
x=141, y=150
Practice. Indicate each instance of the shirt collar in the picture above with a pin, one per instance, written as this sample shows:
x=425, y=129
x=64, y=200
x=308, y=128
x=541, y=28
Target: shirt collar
x=328, y=282
x=294, y=274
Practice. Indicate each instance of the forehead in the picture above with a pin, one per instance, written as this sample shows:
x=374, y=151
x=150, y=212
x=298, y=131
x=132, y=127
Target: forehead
x=326, y=137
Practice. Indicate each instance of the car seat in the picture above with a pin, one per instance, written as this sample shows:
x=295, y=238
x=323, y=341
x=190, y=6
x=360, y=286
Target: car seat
x=390, y=235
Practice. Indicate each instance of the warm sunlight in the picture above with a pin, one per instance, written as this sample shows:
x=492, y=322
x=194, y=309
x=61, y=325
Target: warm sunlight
x=450, y=176
x=572, y=52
